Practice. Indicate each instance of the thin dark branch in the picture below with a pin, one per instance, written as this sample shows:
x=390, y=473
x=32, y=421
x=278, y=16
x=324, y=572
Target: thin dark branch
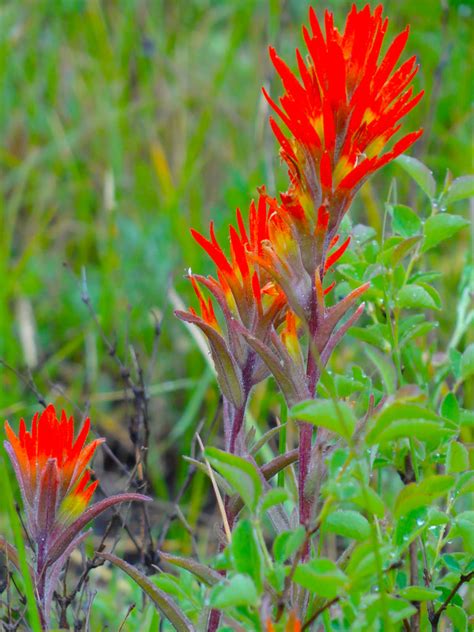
x=28, y=382
x=130, y=608
x=463, y=579
x=319, y=611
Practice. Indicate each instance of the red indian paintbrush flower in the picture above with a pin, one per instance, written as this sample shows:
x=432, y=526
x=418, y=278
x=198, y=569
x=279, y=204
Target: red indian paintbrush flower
x=49, y=461
x=341, y=113
x=248, y=299
x=281, y=256
x=51, y=468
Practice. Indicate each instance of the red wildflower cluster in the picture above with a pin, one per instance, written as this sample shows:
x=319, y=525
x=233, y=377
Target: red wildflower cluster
x=341, y=112
x=248, y=299
x=49, y=461
x=51, y=469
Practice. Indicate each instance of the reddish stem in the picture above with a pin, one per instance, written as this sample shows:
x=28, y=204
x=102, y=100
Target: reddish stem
x=306, y=430
x=237, y=423
x=306, y=434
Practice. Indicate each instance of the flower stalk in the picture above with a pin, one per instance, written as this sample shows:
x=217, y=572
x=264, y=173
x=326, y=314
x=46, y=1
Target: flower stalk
x=51, y=467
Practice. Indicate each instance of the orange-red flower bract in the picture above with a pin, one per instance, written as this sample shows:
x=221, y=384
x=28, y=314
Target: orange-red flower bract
x=50, y=465
x=293, y=624
x=247, y=297
x=341, y=112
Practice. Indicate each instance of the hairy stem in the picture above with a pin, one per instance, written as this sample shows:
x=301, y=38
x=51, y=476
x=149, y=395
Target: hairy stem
x=236, y=426
x=306, y=430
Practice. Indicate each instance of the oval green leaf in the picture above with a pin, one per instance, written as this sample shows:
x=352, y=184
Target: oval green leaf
x=239, y=473
x=348, y=523
x=338, y=418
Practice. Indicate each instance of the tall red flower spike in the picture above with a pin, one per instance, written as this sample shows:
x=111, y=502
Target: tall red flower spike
x=51, y=468
x=248, y=298
x=341, y=112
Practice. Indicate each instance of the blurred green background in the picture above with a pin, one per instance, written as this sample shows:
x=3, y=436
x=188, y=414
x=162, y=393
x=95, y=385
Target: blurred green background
x=123, y=124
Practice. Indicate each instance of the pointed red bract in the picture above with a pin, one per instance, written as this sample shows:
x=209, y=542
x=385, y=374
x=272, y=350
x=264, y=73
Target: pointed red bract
x=52, y=464
x=343, y=110
x=248, y=298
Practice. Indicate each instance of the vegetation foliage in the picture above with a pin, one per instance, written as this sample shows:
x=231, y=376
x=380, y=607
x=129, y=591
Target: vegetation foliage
x=124, y=125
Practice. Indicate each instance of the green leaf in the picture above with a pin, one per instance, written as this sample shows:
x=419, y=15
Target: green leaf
x=465, y=484
x=202, y=467
x=202, y=572
x=265, y=438
x=432, y=292
x=276, y=577
x=348, y=523
x=414, y=429
x=450, y=407
x=162, y=601
x=461, y=189
x=451, y=563
x=325, y=413
x=458, y=618
x=437, y=517
x=246, y=552
x=369, y=499
x=464, y=526
x=410, y=525
x=171, y=585
x=455, y=358
x=241, y=474
x=415, y=297
x=436, y=485
x=239, y=590
x=363, y=562
x=385, y=367
x=416, y=331
x=422, y=494
x=405, y=221
x=466, y=418
x=419, y=593
x=274, y=497
x=375, y=335
x=467, y=362
x=457, y=458
x=321, y=577
x=287, y=543
x=399, y=420
x=393, y=255
x=420, y=174
x=441, y=227
x=397, y=609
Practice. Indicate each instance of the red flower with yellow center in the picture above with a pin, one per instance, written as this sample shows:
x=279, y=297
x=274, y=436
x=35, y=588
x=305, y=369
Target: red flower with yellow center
x=51, y=468
x=342, y=112
x=247, y=296
x=48, y=458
